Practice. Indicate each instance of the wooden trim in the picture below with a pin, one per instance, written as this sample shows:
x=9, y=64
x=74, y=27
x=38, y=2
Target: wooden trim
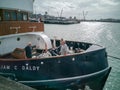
x=10, y=27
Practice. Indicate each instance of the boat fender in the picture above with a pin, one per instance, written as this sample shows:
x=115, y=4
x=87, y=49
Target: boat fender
x=19, y=53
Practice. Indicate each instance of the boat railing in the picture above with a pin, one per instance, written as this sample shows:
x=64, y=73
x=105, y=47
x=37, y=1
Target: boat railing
x=75, y=44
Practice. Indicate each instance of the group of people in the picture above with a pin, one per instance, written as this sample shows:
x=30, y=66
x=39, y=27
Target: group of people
x=63, y=49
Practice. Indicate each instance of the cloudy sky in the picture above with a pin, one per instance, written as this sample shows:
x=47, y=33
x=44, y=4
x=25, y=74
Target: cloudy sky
x=93, y=9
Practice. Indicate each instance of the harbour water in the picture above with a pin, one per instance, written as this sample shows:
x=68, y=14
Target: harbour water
x=102, y=33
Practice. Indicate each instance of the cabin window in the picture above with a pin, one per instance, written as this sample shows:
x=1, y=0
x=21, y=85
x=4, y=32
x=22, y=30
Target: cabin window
x=13, y=16
x=19, y=16
x=6, y=15
x=0, y=18
x=0, y=42
x=18, y=39
x=24, y=17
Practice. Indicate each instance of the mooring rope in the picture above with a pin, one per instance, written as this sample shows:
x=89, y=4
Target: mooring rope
x=114, y=57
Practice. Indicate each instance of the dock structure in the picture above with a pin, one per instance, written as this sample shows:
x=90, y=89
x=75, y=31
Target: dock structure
x=7, y=84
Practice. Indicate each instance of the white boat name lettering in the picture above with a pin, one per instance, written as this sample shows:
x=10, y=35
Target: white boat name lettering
x=24, y=67
x=32, y=68
x=7, y=67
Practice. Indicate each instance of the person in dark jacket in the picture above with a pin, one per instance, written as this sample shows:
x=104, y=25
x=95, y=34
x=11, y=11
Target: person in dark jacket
x=28, y=50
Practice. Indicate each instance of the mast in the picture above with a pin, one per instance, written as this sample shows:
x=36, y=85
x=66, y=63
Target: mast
x=61, y=12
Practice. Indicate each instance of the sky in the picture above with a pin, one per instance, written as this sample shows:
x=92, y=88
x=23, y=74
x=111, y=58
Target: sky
x=92, y=9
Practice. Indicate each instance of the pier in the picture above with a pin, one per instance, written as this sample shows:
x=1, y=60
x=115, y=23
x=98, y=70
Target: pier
x=7, y=84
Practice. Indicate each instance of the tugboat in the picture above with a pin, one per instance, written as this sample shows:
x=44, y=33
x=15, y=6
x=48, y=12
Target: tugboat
x=85, y=67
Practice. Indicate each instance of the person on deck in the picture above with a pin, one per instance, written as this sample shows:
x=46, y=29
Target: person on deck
x=64, y=48
x=28, y=50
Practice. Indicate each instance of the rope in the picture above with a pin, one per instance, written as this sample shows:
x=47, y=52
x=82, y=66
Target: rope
x=114, y=57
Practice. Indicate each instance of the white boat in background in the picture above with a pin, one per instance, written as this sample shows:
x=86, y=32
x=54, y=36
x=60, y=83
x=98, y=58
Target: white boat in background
x=60, y=21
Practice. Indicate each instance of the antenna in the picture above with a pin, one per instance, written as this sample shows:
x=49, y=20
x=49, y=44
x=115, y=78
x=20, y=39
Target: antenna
x=84, y=15
x=61, y=12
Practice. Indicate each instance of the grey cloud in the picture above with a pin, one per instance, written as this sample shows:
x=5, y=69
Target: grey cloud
x=95, y=8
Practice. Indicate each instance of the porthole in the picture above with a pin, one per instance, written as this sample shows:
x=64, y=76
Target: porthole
x=38, y=38
x=18, y=39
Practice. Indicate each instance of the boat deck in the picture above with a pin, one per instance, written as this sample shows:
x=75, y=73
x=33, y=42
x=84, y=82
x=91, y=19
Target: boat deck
x=74, y=48
x=38, y=53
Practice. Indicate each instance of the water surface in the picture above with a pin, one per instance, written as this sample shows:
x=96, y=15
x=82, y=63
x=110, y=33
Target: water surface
x=102, y=33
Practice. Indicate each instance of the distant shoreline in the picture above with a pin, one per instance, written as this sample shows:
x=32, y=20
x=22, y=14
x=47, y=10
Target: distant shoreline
x=112, y=21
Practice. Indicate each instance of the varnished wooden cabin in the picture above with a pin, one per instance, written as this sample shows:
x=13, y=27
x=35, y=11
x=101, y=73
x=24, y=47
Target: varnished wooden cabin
x=17, y=21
